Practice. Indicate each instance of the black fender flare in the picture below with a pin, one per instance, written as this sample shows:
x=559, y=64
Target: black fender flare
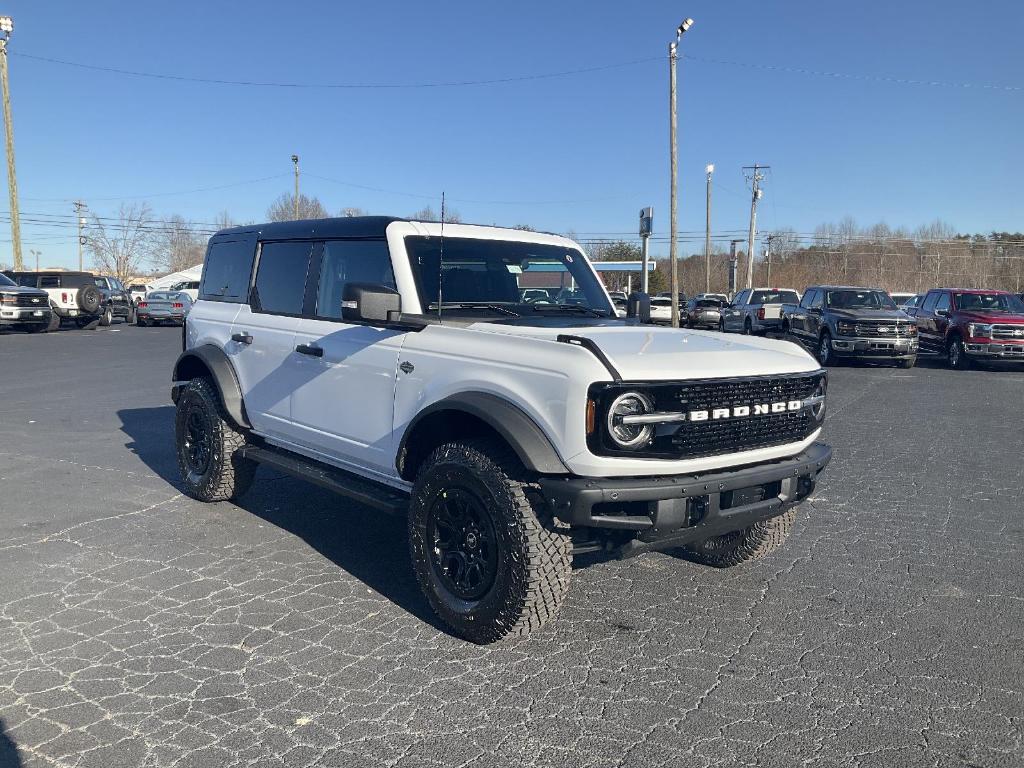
x=214, y=360
x=514, y=425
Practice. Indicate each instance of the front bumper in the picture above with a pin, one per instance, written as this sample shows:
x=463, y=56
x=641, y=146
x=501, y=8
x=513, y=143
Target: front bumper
x=661, y=512
x=894, y=348
x=995, y=350
x=23, y=315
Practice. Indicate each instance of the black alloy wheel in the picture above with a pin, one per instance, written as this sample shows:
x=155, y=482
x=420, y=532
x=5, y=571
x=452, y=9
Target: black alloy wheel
x=464, y=547
x=198, y=444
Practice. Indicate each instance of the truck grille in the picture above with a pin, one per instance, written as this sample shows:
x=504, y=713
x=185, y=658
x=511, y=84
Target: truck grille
x=882, y=330
x=37, y=300
x=693, y=439
x=1010, y=332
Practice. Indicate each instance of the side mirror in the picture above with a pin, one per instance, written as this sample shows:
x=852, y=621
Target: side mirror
x=368, y=302
x=942, y=313
x=639, y=306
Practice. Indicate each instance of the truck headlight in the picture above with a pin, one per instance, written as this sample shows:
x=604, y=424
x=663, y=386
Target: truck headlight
x=980, y=329
x=846, y=329
x=630, y=435
x=817, y=399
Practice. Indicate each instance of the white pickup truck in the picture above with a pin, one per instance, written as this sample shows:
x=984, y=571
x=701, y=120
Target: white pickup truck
x=397, y=363
x=757, y=310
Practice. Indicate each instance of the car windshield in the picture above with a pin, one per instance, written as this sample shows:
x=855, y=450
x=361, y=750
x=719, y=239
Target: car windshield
x=989, y=302
x=708, y=304
x=774, y=297
x=5, y=280
x=136, y=287
x=167, y=296
x=855, y=299
x=515, y=277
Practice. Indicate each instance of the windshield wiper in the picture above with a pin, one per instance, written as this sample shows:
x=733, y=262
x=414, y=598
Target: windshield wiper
x=475, y=305
x=568, y=308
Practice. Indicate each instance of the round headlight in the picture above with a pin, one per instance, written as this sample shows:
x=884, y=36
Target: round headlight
x=818, y=409
x=630, y=435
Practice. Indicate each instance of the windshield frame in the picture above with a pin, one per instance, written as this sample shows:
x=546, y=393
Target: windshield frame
x=583, y=295
x=6, y=282
x=1014, y=304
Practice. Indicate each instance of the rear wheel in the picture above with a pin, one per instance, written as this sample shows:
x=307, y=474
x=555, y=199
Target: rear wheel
x=738, y=547
x=207, y=446
x=748, y=329
x=485, y=549
x=107, y=317
x=129, y=318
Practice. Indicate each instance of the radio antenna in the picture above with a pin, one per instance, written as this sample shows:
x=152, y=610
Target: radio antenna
x=440, y=264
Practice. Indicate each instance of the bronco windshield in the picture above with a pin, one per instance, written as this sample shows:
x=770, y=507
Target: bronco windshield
x=989, y=302
x=505, y=276
x=854, y=299
x=5, y=280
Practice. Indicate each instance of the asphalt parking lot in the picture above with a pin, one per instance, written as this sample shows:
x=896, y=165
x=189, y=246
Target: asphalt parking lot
x=140, y=628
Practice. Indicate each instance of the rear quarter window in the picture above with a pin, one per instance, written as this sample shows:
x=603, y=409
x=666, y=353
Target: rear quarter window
x=227, y=271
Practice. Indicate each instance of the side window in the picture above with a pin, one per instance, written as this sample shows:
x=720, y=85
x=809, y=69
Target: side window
x=805, y=302
x=943, y=302
x=350, y=261
x=818, y=300
x=281, y=278
x=929, y=302
x=741, y=298
x=49, y=281
x=227, y=271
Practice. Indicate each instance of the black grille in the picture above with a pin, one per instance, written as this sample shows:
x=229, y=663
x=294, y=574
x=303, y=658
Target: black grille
x=882, y=330
x=29, y=300
x=691, y=439
x=1007, y=331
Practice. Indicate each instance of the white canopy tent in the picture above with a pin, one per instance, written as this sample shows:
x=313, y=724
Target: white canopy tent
x=186, y=275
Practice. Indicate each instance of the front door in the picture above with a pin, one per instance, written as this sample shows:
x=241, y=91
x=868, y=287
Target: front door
x=343, y=406
x=262, y=346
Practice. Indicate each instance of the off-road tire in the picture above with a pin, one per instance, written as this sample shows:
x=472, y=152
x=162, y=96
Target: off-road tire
x=89, y=299
x=534, y=554
x=107, y=317
x=226, y=476
x=87, y=323
x=956, y=355
x=738, y=547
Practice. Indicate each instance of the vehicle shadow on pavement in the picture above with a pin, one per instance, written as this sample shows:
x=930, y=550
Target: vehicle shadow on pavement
x=366, y=543
x=9, y=757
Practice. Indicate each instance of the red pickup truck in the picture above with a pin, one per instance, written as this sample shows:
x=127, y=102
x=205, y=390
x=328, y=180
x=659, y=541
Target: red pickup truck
x=971, y=324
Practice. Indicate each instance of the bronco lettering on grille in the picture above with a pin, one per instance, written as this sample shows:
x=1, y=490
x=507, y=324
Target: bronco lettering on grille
x=739, y=411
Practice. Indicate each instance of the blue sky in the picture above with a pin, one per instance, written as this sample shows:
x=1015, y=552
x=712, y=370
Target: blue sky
x=581, y=152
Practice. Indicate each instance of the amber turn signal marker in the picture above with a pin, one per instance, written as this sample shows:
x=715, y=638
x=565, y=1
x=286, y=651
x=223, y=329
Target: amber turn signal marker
x=591, y=416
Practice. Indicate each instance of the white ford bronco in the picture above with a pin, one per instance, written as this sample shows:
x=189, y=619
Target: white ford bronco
x=477, y=381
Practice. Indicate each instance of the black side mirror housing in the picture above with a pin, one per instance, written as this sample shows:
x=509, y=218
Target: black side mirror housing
x=942, y=312
x=370, y=303
x=639, y=306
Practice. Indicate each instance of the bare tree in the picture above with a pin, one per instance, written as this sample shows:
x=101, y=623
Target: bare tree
x=178, y=245
x=223, y=220
x=351, y=213
x=451, y=216
x=120, y=247
x=283, y=209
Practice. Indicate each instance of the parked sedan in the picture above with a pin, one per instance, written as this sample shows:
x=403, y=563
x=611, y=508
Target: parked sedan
x=703, y=313
x=163, y=307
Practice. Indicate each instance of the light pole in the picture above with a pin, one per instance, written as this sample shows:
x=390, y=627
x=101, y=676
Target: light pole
x=673, y=254
x=646, y=227
x=295, y=162
x=709, y=170
x=6, y=27
x=37, y=254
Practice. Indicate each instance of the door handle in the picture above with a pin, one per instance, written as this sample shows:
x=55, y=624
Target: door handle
x=241, y=338
x=310, y=349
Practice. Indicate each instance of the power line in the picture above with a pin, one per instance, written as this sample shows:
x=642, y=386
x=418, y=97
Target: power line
x=161, y=194
x=269, y=84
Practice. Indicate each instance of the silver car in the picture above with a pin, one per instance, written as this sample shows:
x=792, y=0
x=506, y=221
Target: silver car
x=163, y=307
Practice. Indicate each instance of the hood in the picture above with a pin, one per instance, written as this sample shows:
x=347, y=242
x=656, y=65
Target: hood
x=650, y=353
x=869, y=314
x=22, y=289
x=977, y=316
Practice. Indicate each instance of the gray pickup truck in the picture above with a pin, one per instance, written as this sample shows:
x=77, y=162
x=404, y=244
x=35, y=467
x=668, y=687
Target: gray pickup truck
x=757, y=310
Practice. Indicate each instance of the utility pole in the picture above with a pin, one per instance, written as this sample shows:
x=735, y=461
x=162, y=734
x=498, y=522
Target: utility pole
x=710, y=170
x=6, y=27
x=756, y=177
x=79, y=205
x=295, y=162
x=768, y=260
x=733, y=264
x=673, y=254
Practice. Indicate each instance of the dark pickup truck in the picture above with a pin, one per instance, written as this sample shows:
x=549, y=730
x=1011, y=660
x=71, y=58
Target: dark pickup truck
x=970, y=324
x=835, y=321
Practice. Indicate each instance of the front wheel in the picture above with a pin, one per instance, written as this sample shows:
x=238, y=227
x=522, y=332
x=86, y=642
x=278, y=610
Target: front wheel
x=956, y=355
x=107, y=317
x=907, y=363
x=207, y=446
x=485, y=550
x=825, y=349
x=748, y=329
x=129, y=318
x=742, y=546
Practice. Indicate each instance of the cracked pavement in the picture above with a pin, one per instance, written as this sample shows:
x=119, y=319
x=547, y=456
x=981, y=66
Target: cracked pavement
x=141, y=628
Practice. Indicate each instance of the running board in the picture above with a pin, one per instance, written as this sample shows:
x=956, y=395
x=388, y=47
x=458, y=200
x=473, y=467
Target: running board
x=361, y=490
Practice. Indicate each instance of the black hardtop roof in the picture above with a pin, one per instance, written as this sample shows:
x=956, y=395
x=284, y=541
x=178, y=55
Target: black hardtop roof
x=842, y=288
x=62, y=272
x=349, y=226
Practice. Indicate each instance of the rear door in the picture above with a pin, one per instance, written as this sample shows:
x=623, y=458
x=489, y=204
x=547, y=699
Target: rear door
x=732, y=317
x=814, y=319
x=262, y=345
x=343, y=407
x=943, y=310
x=926, y=327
